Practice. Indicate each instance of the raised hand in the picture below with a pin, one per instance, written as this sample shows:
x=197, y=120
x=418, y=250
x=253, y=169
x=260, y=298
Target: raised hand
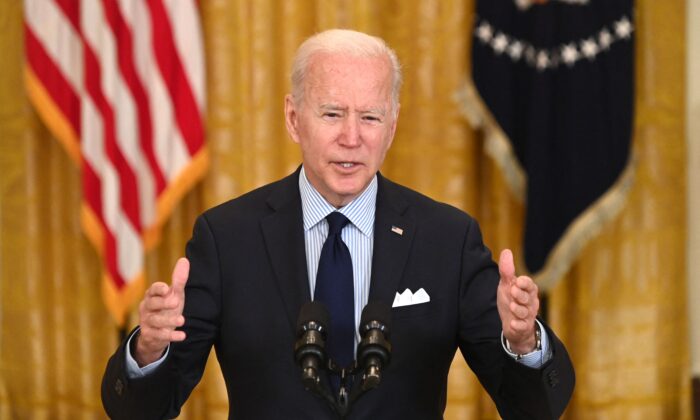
x=160, y=312
x=518, y=304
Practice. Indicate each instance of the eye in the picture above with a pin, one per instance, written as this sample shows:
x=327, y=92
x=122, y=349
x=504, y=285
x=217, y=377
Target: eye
x=372, y=118
x=331, y=115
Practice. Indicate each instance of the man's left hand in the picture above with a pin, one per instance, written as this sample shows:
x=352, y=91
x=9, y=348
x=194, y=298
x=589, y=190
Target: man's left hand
x=518, y=304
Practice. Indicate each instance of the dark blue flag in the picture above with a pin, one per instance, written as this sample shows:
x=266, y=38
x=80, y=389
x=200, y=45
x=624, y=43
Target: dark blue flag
x=557, y=79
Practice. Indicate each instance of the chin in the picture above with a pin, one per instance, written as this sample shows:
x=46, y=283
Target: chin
x=347, y=193
x=349, y=188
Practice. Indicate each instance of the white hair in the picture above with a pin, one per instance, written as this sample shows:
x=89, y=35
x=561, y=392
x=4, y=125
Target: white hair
x=344, y=41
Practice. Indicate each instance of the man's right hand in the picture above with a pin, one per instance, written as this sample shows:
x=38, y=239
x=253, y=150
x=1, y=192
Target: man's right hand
x=160, y=312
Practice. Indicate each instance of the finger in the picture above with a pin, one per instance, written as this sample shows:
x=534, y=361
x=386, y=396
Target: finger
x=530, y=308
x=526, y=283
x=506, y=267
x=157, y=337
x=519, y=311
x=177, y=335
x=160, y=303
x=162, y=335
x=158, y=289
x=519, y=295
x=180, y=274
x=164, y=321
x=153, y=304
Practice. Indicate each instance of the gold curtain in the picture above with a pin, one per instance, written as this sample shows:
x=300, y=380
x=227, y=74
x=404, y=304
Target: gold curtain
x=621, y=310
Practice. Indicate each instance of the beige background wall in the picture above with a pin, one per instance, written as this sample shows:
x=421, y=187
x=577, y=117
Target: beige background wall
x=693, y=138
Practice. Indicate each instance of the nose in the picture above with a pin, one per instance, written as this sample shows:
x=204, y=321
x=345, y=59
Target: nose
x=350, y=136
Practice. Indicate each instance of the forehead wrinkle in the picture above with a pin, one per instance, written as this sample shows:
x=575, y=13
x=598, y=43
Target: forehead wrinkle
x=318, y=88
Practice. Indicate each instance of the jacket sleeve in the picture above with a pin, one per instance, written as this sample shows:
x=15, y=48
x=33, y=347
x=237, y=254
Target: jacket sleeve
x=162, y=393
x=518, y=391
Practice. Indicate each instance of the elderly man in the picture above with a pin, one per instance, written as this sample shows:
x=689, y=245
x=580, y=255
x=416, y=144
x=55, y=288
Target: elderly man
x=337, y=232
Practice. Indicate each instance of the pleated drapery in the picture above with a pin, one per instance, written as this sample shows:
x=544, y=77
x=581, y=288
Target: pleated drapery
x=621, y=310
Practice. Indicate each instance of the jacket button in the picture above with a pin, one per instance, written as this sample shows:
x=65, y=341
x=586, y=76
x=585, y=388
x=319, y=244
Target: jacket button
x=553, y=378
x=119, y=387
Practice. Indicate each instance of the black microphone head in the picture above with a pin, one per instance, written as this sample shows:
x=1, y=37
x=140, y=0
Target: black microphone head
x=313, y=312
x=309, y=348
x=376, y=313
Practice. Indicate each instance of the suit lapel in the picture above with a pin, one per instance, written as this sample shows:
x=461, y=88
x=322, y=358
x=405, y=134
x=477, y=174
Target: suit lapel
x=393, y=234
x=284, y=239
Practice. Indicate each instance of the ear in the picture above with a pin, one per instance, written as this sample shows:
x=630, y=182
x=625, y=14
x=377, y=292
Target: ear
x=291, y=118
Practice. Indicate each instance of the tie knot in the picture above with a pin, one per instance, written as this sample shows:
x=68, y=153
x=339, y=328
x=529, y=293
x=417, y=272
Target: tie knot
x=336, y=222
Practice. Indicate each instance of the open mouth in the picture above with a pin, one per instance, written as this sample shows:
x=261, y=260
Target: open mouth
x=346, y=165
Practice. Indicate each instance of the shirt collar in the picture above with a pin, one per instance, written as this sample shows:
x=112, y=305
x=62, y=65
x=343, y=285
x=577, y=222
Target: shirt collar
x=360, y=211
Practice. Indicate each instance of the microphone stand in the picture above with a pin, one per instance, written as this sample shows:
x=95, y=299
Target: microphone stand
x=373, y=352
x=313, y=382
x=342, y=403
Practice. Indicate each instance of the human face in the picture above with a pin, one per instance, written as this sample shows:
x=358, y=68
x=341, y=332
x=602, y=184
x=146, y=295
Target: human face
x=344, y=123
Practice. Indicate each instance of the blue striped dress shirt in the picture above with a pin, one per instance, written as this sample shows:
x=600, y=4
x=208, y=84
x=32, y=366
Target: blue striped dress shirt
x=358, y=235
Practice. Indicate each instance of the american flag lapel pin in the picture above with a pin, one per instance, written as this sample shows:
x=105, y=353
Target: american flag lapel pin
x=397, y=230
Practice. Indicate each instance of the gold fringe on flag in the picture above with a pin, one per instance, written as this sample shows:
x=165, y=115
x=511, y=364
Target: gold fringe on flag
x=584, y=228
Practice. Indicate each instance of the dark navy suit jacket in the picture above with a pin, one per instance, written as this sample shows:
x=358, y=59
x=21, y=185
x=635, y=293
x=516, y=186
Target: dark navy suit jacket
x=248, y=280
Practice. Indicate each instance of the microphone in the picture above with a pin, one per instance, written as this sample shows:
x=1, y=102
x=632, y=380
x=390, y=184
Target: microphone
x=374, y=350
x=310, y=347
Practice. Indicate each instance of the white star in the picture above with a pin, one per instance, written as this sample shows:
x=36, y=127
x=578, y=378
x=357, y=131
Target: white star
x=515, y=50
x=499, y=43
x=589, y=48
x=569, y=54
x=623, y=28
x=530, y=54
x=605, y=39
x=523, y=4
x=542, y=60
x=484, y=32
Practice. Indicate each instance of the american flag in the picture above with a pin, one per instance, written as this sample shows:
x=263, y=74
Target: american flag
x=120, y=83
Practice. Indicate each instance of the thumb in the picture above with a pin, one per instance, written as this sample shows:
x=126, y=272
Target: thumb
x=180, y=274
x=506, y=267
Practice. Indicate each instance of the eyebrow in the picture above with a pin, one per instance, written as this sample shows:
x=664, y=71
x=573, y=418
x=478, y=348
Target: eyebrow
x=332, y=107
x=380, y=111
x=336, y=107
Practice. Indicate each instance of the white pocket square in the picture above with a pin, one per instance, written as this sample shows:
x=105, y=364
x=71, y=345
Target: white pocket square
x=409, y=298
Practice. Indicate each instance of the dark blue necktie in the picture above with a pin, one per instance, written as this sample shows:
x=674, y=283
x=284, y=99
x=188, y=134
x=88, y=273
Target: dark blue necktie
x=334, y=288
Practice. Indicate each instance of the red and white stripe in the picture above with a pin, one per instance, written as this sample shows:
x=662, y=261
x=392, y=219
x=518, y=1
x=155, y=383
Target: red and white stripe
x=121, y=85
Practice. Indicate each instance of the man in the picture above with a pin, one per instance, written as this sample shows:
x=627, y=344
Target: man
x=254, y=261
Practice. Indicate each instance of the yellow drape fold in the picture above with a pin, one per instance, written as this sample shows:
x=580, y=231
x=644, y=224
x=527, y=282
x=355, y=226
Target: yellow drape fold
x=621, y=310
